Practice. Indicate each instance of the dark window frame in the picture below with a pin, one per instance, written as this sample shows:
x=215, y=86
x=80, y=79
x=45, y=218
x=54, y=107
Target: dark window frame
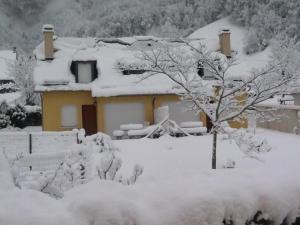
x=74, y=68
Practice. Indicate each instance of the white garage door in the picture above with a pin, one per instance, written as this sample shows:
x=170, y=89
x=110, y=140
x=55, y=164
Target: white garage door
x=117, y=114
x=180, y=112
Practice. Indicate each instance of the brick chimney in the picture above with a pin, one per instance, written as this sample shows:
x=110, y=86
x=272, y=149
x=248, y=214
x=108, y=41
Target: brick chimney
x=48, y=33
x=225, y=45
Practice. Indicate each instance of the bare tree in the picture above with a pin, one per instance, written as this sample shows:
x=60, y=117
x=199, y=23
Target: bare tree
x=204, y=78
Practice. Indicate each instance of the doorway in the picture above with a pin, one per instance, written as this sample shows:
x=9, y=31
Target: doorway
x=89, y=119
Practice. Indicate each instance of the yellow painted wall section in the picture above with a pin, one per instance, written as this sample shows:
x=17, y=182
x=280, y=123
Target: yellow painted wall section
x=147, y=100
x=53, y=102
x=243, y=121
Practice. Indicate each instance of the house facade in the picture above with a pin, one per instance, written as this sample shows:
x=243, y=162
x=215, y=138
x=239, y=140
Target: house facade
x=96, y=84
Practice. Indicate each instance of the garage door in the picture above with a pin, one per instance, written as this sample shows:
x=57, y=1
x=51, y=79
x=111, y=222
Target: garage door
x=117, y=114
x=178, y=112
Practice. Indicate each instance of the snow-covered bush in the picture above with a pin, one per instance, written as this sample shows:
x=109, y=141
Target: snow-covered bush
x=4, y=121
x=107, y=160
x=109, y=166
x=34, y=115
x=17, y=116
x=76, y=167
x=20, y=116
x=54, y=177
x=248, y=143
x=229, y=164
x=8, y=87
x=4, y=107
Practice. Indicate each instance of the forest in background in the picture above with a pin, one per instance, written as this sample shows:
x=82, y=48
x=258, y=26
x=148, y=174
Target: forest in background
x=21, y=20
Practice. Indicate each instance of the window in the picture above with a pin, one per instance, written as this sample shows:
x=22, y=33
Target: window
x=84, y=71
x=69, y=116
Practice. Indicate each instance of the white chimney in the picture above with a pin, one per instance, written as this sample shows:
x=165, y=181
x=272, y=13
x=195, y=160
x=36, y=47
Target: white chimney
x=48, y=32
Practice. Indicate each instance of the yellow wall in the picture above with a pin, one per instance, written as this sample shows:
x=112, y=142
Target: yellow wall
x=243, y=121
x=53, y=101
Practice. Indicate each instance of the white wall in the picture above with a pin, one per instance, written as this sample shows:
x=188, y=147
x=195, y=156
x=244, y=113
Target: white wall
x=179, y=112
x=117, y=114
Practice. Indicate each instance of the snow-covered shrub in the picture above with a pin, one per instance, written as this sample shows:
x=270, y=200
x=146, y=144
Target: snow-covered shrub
x=8, y=87
x=34, y=115
x=109, y=166
x=4, y=121
x=248, y=143
x=137, y=171
x=108, y=162
x=76, y=167
x=4, y=107
x=229, y=164
x=99, y=142
x=17, y=116
x=20, y=116
x=53, y=179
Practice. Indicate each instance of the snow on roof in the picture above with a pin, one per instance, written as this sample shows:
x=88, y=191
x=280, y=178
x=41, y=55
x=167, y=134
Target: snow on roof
x=56, y=74
x=6, y=57
x=107, y=53
x=245, y=63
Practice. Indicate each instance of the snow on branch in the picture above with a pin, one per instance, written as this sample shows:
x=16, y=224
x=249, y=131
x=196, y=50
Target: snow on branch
x=224, y=97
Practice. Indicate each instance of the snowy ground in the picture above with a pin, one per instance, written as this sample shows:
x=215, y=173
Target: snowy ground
x=25, y=129
x=177, y=187
x=175, y=157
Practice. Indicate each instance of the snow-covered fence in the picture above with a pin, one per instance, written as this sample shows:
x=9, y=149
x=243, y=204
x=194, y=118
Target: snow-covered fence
x=62, y=170
x=52, y=141
x=14, y=143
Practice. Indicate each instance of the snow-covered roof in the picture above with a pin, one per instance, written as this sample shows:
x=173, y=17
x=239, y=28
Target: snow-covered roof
x=107, y=53
x=6, y=57
x=245, y=63
x=56, y=74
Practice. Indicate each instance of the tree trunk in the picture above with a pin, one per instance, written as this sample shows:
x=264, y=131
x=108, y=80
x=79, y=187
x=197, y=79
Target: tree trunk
x=214, y=151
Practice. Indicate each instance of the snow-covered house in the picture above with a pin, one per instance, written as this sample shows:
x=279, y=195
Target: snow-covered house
x=84, y=83
x=95, y=83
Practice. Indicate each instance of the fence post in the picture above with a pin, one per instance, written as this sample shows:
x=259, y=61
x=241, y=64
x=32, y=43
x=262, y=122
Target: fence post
x=30, y=148
x=30, y=143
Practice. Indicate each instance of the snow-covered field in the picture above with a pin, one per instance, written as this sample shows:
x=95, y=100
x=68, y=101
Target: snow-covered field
x=177, y=187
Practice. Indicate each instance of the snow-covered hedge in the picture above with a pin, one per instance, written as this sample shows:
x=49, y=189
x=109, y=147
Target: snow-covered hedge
x=212, y=198
x=8, y=87
x=20, y=116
